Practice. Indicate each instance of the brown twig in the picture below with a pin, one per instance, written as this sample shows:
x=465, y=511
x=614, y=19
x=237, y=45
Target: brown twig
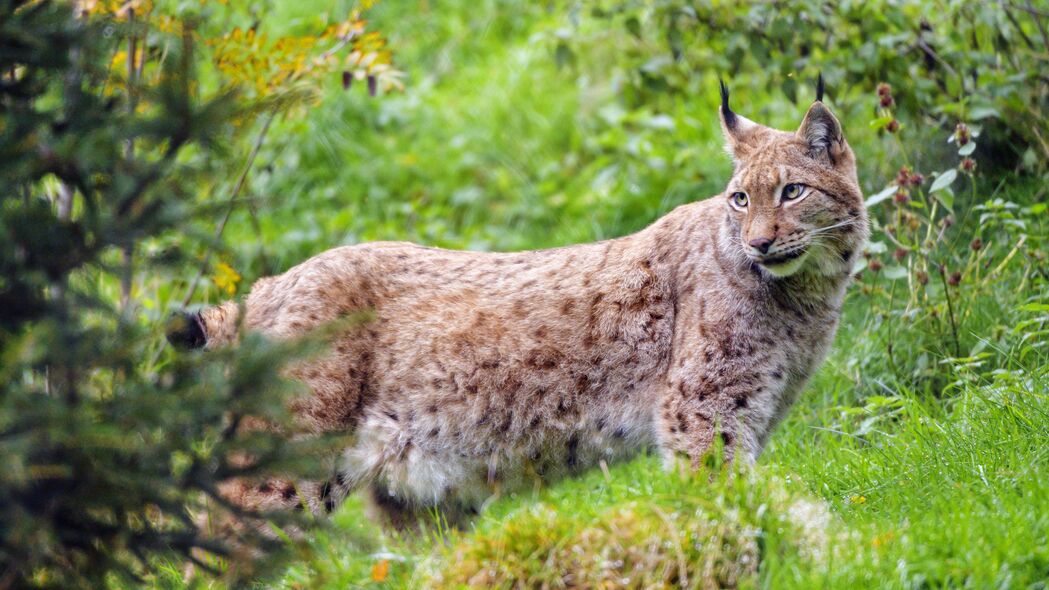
x=231, y=204
x=1019, y=29
x=1038, y=23
x=127, y=275
x=950, y=310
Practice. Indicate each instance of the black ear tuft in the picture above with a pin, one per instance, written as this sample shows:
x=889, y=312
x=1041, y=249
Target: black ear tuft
x=186, y=330
x=819, y=87
x=726, y=112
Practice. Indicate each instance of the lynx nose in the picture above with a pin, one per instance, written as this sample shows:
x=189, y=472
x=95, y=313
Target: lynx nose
x=762, y=244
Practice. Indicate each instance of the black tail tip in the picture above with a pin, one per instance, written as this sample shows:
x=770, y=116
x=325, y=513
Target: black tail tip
x=185, y=330
x=819, y=88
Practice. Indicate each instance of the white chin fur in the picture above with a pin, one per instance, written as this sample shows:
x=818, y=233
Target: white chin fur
x=787, y=268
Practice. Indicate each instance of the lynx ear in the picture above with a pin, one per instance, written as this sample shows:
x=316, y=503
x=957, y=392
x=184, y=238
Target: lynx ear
x=739, y=131
x=822, y=133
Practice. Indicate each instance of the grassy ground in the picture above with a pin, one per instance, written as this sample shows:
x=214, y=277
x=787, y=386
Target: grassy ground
x=901, y=466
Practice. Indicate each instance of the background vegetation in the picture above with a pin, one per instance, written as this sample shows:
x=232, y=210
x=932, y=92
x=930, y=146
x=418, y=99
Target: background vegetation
x=917, y=457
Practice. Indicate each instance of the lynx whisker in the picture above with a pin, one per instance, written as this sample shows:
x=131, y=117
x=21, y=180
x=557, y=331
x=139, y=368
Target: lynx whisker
x=821, y=230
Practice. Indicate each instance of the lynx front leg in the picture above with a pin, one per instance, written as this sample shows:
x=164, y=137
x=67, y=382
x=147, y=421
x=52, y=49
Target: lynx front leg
x=704, y=401
x=689, y=424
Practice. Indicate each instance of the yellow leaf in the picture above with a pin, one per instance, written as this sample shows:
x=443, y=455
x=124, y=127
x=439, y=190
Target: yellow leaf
x=882, y=539
x=380, y=570
x=119, y=61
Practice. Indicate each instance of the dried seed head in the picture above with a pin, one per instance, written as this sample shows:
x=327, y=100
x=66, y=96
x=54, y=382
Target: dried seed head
x=892, y=126
x=900, y=254
x=917, y=179
x=903, y=177
x=954, y=279
x=887, y=101
x=968, y=164
x=901, y=197
x=875, y=265
x=923, y=277
x=884, y=89
x=976, y=244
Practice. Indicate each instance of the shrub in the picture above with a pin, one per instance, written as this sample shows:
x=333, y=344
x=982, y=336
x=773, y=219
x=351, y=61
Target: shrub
x=108, y=458
x=971, y=61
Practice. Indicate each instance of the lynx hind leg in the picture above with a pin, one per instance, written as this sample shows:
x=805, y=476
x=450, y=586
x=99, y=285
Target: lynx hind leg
x=402, y=516
x=276, y=495
x=388, y=510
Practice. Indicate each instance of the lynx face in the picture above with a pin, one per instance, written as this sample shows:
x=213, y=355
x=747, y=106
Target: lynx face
x=793, y=197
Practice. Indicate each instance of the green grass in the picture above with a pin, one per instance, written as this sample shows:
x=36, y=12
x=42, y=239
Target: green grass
x=932, y=497
x=899, y=467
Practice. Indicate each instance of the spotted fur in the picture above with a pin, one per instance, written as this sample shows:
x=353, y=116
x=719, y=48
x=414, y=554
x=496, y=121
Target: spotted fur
x=486, y=371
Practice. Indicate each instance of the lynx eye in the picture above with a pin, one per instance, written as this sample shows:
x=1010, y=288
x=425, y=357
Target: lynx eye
x=792, y=191
x=739, y=200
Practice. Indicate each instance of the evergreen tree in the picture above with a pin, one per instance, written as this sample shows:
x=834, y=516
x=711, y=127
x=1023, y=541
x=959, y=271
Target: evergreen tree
x=107, y=460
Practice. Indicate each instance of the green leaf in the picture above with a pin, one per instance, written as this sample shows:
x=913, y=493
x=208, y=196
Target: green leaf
x=633, y=26
x=944, y=180
x=563, y=56
x=978, y=348
x=879, y=197
x=877, y=248
x=946, y=196
x=895, y=272
x=977, y=113
x=881, y=122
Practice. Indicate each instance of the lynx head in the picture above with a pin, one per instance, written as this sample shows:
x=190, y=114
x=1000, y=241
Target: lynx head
x=793, y=199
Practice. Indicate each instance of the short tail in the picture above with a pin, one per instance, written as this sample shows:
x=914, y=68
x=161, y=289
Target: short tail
x=210, y=327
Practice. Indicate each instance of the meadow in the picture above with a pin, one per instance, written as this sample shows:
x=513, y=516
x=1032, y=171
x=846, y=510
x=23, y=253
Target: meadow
x=918, y=457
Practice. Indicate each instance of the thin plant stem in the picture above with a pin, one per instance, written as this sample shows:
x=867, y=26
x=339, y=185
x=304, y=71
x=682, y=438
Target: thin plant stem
x=950, y=310
x=230, y=206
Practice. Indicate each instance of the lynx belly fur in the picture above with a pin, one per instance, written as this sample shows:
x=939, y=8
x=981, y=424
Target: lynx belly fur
x=486, y=371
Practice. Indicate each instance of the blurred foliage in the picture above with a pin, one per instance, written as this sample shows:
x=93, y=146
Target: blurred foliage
x=950, y=60
x=111, y=460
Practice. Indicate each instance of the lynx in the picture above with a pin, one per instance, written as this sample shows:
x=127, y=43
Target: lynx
x=486, y=371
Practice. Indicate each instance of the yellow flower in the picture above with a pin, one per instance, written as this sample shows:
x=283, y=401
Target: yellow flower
x=226, y=278
x=858, y=499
